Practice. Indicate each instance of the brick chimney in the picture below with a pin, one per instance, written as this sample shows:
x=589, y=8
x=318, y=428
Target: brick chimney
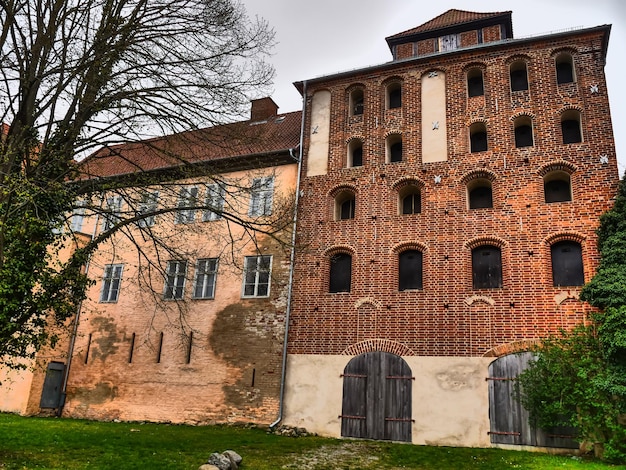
x=262, y=109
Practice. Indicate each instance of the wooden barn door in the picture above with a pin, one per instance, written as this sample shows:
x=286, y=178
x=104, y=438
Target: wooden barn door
x=377, y=397
x=509, y=420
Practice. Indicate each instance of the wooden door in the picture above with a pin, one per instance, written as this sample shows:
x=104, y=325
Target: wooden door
x=377, y=398
x=509, y=420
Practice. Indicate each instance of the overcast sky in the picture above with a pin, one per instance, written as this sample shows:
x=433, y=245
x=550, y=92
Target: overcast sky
x=322, y=37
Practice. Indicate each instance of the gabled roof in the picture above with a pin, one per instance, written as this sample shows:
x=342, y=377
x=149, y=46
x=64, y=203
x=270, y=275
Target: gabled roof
x=452, y=21
x=272, y=136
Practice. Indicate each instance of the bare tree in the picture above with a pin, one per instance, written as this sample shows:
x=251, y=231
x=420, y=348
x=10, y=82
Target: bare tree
x=77, y=75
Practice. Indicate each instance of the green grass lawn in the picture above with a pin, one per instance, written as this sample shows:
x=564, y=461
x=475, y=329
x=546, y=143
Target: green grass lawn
x=53, y=443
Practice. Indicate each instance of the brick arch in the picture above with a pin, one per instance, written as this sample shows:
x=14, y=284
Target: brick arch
x=512, y=347
x=560, y=165
x=408, y=181
x=522, y=114
x=342, y=187
x=516, y=58
x=335, y=249
x=368, y=301
x=564, y=236
x=355, y=86
x=488, y=240
x=482, y=173
x=476, y=120
x=355, y=137
x=393, y=79
x=563, y=50
x=392, y=132
x=571, y=107
x=378, y=344
x=474, y=65
x=410, y=245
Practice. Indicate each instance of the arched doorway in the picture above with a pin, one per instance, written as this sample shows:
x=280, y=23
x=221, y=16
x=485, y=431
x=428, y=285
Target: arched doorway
x=377, y=397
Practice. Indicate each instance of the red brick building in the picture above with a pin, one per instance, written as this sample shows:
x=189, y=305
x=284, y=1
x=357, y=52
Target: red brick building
x=447, y=215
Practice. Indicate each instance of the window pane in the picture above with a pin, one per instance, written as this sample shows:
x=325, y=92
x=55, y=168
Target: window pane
x=347, y=209
x=340, y=273
x=571, y=131
x=395, y=98
x=567, y=264
x=478, y=141
x=395, y=152
x=475, y=85
x=480, y=197
x=357, y=156
x=523, y=136
x=257, y=276
x=557, y=190
x=412, y=204
x=410, y=270
x=519, y=80
x=564, y=72
x=111, y=280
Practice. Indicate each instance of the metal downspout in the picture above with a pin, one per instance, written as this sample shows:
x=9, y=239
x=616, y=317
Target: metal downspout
x=70, y=350
x=283, y=372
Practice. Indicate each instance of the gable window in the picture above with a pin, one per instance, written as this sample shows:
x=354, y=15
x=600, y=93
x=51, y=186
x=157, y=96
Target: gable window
x=147, y=207
x=204, y=284
x=449, y=42
x=355, y=153
x=564, y=68
x=486, y=267
x=214, y=202
x=340, y=273
x=187, y=203
x=393, y=147
x=567, y=264
x=111, y=282
x=356, y=102
x=261, y=196
x=570, y=127
x=410, y=270
x=175, y=275
x=78, y=217
x=479, y=194
x=394, y=95
x=475, y=86
x=256, y=276
x=557, y=187
x=410, y=200
x=523, y=132
x=345, y=205
x=113, y=209
x=478, y=137
x=519, y=76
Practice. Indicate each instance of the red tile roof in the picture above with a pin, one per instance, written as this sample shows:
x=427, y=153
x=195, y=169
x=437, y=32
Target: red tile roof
x=449, y=18
x=274, y=135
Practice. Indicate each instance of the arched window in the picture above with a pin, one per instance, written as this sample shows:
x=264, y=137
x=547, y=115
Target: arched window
x=564, y=68
x=394, y=95
x=523, y=132
x=345, y=205
x=478, y=137
x=355, y=153
x=479, y=194
x=357, y=102
x=410, y=200
x=519, y=76
x=567, y=264
x=475, y=86
x=410, y=270
x=570, y=127
x=340, y=273
x=486, y=267
x=393, y=148
x=557, y=186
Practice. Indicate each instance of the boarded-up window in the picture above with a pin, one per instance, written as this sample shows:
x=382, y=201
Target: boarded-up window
x=567, y=264
x=410, y=270
x=340, y=273
x=486, y=267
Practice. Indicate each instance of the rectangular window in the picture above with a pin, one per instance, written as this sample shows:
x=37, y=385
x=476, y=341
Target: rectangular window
x=261, y=196
x=206, y=272
x=175, y=279
x=187, y=202
x=147, y=207
x=111, y=282
x=214, y=201
x=256, y=276
x=112, y=211
x=78, y=217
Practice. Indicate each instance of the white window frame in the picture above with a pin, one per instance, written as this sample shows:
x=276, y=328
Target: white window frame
x=113, y=210
x=148, y=204
x=187, y=201
x=175, y=280
x=78, y=217
x=261, y=196
x=111, y=283
x=205, y=278
x=215, y=200
x=256, y=279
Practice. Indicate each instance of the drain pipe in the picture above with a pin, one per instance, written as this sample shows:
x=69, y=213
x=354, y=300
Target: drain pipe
x=70, y=350
x=283, y=372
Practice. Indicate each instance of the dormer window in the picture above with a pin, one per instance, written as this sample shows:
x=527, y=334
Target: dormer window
x=449, y=42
